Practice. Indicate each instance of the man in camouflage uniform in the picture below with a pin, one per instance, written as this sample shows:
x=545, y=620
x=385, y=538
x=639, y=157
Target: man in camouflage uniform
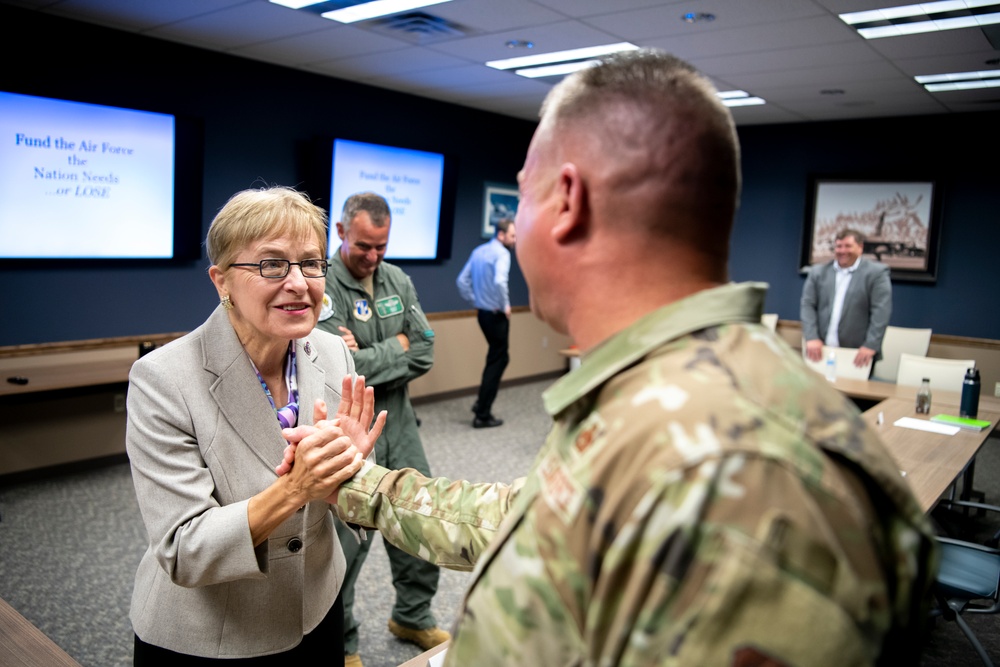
x=373, y=306
x=702, y=498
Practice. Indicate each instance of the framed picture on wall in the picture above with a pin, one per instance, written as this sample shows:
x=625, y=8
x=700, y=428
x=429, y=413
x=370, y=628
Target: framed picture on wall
x=499, y=202
x=898, y=218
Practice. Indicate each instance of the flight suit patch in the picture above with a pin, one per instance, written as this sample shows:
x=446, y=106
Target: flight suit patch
x=389, y=306
x=362, y=312
x=326, y=310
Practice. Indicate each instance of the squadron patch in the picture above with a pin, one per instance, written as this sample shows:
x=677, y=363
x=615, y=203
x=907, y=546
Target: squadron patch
x=326, y=310
x=362, y=312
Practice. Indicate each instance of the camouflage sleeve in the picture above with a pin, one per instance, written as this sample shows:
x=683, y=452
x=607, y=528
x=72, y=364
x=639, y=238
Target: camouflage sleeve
x=447, y=523
x=711, y=565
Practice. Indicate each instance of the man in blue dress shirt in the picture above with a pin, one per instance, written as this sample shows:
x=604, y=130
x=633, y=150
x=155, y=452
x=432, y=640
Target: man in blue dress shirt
x=483, y=282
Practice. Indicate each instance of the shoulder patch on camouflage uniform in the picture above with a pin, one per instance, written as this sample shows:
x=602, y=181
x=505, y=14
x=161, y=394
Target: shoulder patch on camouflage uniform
x=562, y=493
x=592, y=429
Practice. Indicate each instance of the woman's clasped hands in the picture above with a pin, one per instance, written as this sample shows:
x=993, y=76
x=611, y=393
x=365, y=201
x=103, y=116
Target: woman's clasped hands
x=321, y=457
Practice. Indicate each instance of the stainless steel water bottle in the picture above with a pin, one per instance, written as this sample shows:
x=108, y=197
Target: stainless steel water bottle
x=970, y=394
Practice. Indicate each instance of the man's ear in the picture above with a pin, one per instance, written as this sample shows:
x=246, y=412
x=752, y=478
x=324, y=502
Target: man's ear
x=340, y=231
x=573, y=219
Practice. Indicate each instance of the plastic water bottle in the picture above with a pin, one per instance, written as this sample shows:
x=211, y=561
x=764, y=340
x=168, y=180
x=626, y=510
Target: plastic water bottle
x=831, y=366
x=924, y=397
x=970, y=394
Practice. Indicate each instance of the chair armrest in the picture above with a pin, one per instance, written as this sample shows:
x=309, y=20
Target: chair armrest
x=967, y=545
x=970, y=504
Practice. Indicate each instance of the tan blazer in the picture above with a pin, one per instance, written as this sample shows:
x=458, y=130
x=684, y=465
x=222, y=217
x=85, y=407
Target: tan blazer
x=202, y=438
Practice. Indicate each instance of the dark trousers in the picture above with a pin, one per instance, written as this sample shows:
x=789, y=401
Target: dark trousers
x=322, y=646
x=414, y=580
x=496, y=328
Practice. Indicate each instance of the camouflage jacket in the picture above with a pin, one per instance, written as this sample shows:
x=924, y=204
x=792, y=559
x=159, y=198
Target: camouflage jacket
x=702, y=499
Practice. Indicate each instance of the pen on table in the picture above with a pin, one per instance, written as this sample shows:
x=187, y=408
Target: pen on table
x=880, y=418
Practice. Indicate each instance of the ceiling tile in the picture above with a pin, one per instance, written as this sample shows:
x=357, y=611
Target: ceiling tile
x=333, y=42
x=729, y=15
x=783, y=50
x=242, y=25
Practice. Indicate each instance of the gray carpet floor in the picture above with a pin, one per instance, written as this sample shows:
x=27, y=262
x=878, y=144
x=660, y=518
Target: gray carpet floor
x=69, y=545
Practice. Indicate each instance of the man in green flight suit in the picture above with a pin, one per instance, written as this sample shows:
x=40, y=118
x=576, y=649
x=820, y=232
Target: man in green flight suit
x=373, y=306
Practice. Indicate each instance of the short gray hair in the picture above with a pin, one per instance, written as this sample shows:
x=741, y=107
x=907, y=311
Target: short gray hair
x=371, y=202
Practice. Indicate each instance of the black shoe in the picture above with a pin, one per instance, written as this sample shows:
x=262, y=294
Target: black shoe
x=486, y=422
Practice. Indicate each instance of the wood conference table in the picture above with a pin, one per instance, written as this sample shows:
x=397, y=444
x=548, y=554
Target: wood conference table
x=423, y=659
x=24, y=645
x=930, y=461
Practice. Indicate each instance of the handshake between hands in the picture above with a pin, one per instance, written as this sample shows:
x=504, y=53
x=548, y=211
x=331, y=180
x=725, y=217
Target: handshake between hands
x=332, y=451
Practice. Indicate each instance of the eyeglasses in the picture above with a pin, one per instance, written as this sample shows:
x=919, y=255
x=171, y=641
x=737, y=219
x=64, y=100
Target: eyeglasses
x=278, y=268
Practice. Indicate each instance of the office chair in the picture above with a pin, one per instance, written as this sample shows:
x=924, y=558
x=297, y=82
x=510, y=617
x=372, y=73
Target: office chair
x=968, y=582
x=944, y=374
x=896, y=341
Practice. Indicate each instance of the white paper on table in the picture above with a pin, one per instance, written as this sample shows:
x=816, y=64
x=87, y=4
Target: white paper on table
x=437, y=660
x=921, y=425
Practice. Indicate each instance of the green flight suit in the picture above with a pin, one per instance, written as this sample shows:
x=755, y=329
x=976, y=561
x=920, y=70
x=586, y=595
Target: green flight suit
x=375, y=320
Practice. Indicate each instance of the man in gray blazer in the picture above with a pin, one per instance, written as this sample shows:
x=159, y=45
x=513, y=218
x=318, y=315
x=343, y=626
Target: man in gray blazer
x=846, y=302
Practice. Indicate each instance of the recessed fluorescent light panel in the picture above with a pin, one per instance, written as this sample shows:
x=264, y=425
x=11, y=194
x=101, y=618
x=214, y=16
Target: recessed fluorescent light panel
x=923, y=17
x=522, y=63
x=739, y=98
x=297, y=4
x=371, y=10
x=560, y=69
x=351, y=11
x=941, y=83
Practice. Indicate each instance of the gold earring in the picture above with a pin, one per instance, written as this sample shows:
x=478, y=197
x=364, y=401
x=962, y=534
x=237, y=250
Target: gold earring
x=227, y=303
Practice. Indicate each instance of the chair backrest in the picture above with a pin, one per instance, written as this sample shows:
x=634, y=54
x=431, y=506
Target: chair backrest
x=769, y=320
x=944, y=374
x=845, y=363
x=896, y=341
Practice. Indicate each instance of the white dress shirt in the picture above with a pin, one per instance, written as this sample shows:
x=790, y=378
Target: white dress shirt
x=843, y=282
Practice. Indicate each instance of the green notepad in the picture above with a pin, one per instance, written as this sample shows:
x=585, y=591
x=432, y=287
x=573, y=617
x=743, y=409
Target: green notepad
x=962, y=422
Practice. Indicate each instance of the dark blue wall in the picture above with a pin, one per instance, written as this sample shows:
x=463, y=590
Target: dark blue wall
x=262, y=122
x=959, y=151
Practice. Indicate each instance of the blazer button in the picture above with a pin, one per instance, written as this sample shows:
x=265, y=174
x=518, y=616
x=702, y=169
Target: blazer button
x=294, y=544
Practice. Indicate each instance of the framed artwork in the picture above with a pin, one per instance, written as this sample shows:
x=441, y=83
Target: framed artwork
x=898, y=218
x=499, y=202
